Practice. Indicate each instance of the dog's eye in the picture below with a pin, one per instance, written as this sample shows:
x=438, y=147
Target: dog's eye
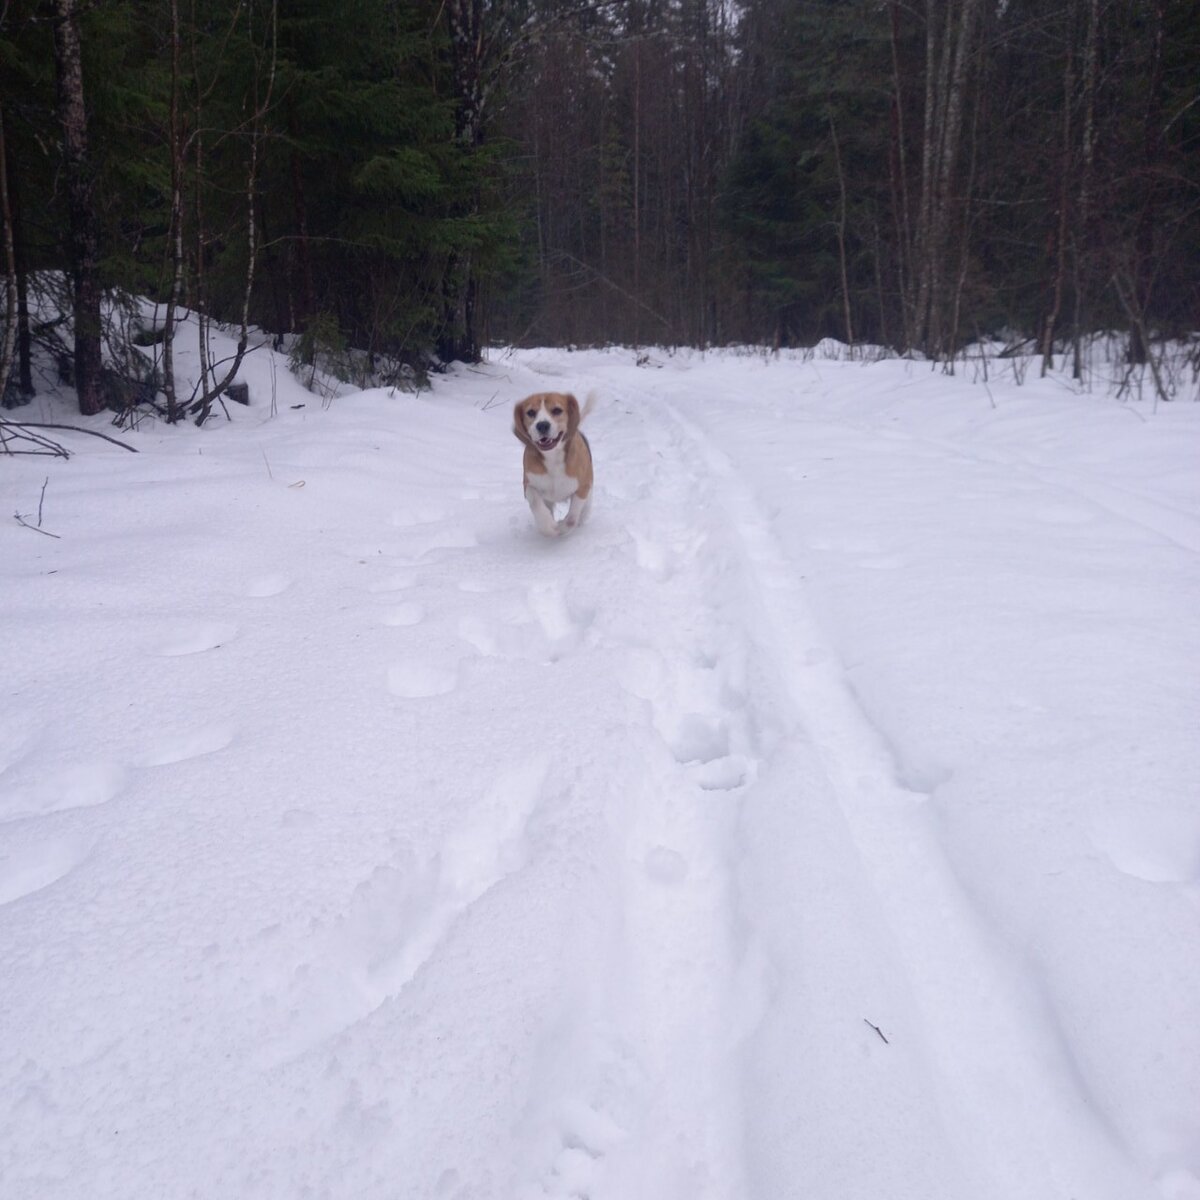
x=556, y=412
x=532, y=412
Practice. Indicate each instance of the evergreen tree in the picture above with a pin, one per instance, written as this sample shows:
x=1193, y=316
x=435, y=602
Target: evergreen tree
x=407, y=177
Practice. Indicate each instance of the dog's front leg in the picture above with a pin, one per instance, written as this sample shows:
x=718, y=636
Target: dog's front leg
x=576, y=513
x=543, y=516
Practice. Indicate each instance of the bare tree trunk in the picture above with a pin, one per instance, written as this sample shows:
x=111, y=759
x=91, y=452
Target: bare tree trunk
x=877, y=256
x=1088, y=155
x=1064, y=177
x=210, y=391
x=24, y=339
x=72, y=115
x=308, y=290
x=200, y=298
x=24, y=355
x=470, y=46
x=951, y=147
x=946, y=68
x=841, y=233
x=1143, y=242
x=924, y=235
x=275, y=272
x=8, y=346
x=637, y=176
x=202, y=93
x=900, y=201
x=964, y=248
x=176, y=227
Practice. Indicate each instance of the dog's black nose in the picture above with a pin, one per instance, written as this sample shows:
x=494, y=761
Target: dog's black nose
x=543, y=427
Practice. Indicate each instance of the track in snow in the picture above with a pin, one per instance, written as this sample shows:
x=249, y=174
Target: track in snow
x=652, y=1108
x=981, y=1033
x=733, y=954
x=753, y=716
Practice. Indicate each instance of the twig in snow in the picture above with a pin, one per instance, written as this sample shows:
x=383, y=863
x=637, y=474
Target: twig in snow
x=878, y=1031
x=20, y=519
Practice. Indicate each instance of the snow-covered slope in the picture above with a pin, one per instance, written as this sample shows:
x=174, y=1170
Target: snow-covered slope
x=821, y=821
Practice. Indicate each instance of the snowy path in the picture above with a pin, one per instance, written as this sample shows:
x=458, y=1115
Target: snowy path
x=817, y=822
x=980, y=1034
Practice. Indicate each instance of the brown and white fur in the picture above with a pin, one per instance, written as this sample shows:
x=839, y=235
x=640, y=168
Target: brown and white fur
x=558, y=459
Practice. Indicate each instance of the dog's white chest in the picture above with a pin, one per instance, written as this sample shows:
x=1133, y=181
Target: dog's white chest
x=555, y=485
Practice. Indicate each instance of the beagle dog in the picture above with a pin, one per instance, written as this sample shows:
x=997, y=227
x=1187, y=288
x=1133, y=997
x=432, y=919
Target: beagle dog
x=558, y=459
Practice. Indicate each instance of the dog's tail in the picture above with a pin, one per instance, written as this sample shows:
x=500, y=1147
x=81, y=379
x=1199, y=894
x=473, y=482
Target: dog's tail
x=588, y=405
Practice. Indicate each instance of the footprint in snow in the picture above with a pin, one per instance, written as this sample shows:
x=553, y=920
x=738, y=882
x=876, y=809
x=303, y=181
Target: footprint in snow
x=720, y=774
x=585, y=1137
x=1157, y=845
x=408, y=613
x=699, y=739
x=31, y=868
x=665, y=865
x=520, y=636
x=651, y=557
x=83, y=785
x=398, y=582
x=417, y=681
x=478, y=636
x=420, y=546
x=365, y=552
x=447, y=1184
x=195, y=637
x=207, y=739
x=410, y=518
x=262, y=586
x=476, y=587
x=562, y=627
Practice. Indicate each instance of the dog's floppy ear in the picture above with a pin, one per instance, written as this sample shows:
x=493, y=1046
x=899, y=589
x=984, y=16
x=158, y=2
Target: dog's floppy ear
x=573, y=417
x=519, y=422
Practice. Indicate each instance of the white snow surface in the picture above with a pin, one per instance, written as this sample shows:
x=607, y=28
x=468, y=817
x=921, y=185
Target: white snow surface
x=821, y=820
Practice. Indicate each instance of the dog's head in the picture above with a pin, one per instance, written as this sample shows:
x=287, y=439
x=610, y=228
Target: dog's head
x=546, y=419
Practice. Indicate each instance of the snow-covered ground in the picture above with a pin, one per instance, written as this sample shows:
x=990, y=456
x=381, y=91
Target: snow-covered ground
x=822, y=820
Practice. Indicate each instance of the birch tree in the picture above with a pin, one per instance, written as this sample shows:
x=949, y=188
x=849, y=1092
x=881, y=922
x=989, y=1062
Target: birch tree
x=84, y=239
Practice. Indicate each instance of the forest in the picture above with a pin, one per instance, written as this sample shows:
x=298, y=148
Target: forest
x=397, y=184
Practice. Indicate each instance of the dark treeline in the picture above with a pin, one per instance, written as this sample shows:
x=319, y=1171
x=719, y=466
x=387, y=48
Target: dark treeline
x=417, y=178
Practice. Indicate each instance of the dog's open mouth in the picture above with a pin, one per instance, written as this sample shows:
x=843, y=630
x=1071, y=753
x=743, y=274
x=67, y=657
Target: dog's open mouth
x=548, y=443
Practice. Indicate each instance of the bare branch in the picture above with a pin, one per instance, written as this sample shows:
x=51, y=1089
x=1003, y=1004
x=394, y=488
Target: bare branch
x=21, y=426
